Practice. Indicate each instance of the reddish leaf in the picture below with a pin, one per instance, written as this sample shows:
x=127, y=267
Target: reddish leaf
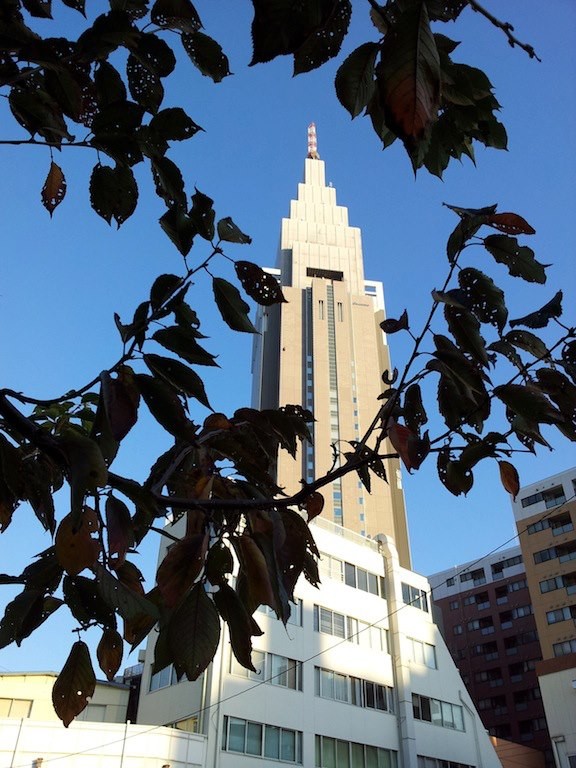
x=217, y=421
x=121, y=400
x=180, y=568
x=399, y=436
x=54, y=188
x=256, y=570
x=194, y=634
x=409, y=75
x=129, y=575
x=109, y=653
x=314, y=505
x=75, y=548
x=120, y=532
x=75, y=685
x=509, y=477
x=511, y=223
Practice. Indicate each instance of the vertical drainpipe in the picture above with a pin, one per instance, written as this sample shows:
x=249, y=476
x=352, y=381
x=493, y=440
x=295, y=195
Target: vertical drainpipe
x=401, y=670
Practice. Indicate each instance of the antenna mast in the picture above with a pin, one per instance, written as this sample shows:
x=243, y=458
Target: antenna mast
x=312, y=143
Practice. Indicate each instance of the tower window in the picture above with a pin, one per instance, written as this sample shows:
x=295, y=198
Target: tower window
x=321, y=310
x=340, y=311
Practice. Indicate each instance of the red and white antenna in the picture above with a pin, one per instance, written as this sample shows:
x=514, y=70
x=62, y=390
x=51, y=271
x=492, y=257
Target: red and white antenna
x=312, y=143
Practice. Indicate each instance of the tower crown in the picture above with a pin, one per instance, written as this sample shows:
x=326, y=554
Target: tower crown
x=312, y=143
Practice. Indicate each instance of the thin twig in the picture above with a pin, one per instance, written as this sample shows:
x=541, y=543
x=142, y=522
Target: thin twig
x=506, y=27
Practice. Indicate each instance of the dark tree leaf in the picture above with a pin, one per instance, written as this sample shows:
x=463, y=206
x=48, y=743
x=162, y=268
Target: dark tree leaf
x=281, y=27
x=75, y=685
x=181, y=567
x=76, y=5
x=393, y=326
x=168, y=182
x=87, y=470
x=518, y=258
x=453, y=298
x=409, y=76
x=128, y=603
x=470, y=222
x=155, y=54
x=229, y=232
x=108, y=31
x=40, y=8
x=85, y=603
x=145, y=85
x=456, y=477
x=258, y=284
x=206, y=55
x=24, y=614
x=219, y=563
x=182, y=341
x=113, y=193
x=119, y=530
x=465, y=329
x=234, y=613
x=529, y=403
x=179, y=376
x=232, y=306
x=175, y=14
x=120, y=399
x=510, y=223
x=528, y=342
x=54, y=188
x=75, y=547
x=541, y=317
x=173, y=124
x=509, y=352
x=163, y=288
x=179, y=228
x=413, y=409
x=109, y=85
x=165, y=405
x=109, y=653
x=324, y=43
x=202, y=215
x=355, y=78
x=485, y=299
x=194, y=633
x=560, y=390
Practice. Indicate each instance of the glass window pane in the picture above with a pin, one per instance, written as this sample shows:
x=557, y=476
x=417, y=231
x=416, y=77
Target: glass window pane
x=5, y=705
x=458, y=714
x=436, y=711
x=339, y=630
x=254, y=739
x=373, y=583
x=340, y=687
x=430, y=656
x=425, y=707
x=236, y=734
x=369, y=700
x=288, y=745
x=272, y=742
x=318, y=751
x=325, y=621
x=384, y=760
x=317, y=681
x=350, y=574
x=356, y=691
x=357, y=756
x=343, y=754
x=362, y=577
x=327, y=683
x=381, y=697
x=279, y=666
x=447, y=717
x=371, y=754
x=328, y=752
x=316, y=619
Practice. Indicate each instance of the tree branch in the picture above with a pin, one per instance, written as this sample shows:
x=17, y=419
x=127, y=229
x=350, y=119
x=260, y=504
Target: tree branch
x=506, y=27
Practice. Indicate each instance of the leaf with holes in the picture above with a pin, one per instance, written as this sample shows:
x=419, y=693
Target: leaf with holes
x=206, y=55
x=109, y=653
x=193, y=633
x=176, y=14
x=232, y=306
x=85, y=603
x=528, y=402
x=54, y=188
x=120, y=400
x=413, y=409
x=173, y=124
x=75, y=685
x=528, y=342
x=465, y=329
x=202, y=215
x=518, y=258
x=542, y=316
x=510, y=223
x=229, y=232
x=180, y=228
x=355, y=78
x=258, y=284
x=456, y=477
x=168, y=182
x=485, y=298
x=325, y=41
x=75, y=547
x=113, y=193
x=145, y=85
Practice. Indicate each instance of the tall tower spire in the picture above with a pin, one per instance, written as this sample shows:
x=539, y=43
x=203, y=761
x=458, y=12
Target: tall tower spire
x=312, y=143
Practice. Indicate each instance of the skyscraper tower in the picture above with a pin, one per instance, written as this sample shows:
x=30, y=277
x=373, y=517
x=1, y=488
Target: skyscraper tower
x=324, y=349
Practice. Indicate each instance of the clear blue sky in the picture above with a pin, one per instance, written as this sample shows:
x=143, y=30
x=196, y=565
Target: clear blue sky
x=63, y=279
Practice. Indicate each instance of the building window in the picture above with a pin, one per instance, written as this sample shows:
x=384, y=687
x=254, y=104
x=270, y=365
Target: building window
x=454, y=605
x=421, y=653
x=296, y=611
x=262, y=740
x=352, y=690
x=437, y=712
x=551, y=497
x=561, y=649
x=321, y=309
x=450, y=582
x=561, y=614
x=15, y=708
x=434, y=762
x=457, y=629
x=164, y=678
x=477, y=577
x=335, y=753
x=339, y=311
x=415, y=597
x=348, y=628
x=270, y=668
